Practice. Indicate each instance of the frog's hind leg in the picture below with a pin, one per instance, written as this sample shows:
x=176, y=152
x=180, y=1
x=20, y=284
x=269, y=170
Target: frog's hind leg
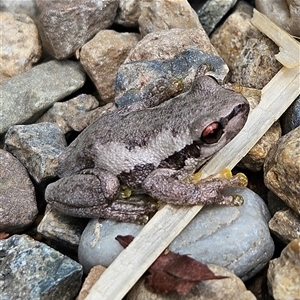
x=92, y=194
x=163, y=184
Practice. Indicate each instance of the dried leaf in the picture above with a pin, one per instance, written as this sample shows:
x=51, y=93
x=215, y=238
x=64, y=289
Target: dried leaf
x=173, y=272
x=4, y=235
x=124, y=240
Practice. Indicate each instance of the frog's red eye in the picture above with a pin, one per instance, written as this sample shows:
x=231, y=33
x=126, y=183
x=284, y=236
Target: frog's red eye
x=212, y=133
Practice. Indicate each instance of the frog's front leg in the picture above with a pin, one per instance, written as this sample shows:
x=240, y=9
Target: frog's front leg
x=93, y=194
x=163, y=184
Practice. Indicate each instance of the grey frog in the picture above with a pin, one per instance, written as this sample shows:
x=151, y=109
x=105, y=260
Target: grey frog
x=150, y=151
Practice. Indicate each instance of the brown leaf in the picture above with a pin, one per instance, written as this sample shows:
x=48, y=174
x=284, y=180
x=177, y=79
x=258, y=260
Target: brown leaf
x=172, y=272
x=4, y=235
x=124, y=240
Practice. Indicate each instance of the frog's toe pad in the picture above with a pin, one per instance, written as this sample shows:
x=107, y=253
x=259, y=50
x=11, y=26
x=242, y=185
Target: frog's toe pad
x=242, y=179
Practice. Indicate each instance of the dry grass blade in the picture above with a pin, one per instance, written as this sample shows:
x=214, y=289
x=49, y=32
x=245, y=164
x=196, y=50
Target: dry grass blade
x=289, y=54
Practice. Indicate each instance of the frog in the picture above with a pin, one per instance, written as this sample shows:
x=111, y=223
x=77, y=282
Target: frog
x=150, y=151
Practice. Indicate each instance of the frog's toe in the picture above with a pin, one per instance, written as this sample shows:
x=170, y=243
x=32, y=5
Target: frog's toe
x=232, y=200
x=237, y=200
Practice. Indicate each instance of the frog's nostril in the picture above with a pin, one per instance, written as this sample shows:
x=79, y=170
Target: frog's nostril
x=236, y=110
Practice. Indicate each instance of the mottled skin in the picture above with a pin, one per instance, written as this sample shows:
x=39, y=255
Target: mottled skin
x=150, y=151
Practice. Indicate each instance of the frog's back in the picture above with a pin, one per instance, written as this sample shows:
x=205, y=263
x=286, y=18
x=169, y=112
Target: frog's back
x=119, y=141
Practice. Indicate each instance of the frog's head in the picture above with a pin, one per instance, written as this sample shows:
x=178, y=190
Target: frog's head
x=222, y=114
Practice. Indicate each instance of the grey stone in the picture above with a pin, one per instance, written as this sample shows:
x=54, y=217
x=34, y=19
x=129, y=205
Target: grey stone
x=98, y=246
x=65, y=26
x=291, y=118
x=60, y=230
x=128, y=13
x=18, y=207
x=27, y=7
x=166, y=44
x=237, y=238
x=285, y=225
x=282, y=169
x=211, y=12
x=21, y=46
x=76, y=113
x=165, y=63
x=163, y=79
x=166, y=14
x=283, y=273
x=32, y=270
x=249, y=54
x=285, y=13
x=102, y=56
x=223, y=289
x=37, y=146
x=24, y=98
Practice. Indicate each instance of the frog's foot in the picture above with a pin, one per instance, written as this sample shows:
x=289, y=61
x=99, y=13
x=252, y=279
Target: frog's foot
x=160, y=184
x=92, y=194
x=119, y=210
x=132, y=210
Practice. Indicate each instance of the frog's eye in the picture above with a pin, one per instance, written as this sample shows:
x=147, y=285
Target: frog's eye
x=212, y=133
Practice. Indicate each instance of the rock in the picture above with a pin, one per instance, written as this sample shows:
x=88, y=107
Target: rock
x=128, y=13
x=255, y=158
x=237, y=238
x=291, y=118
x=282, y=169
x=240, y=240
x=65, y=26
x=98, y=246
x=166, y=44
x=27, y=7
x=21, y=46
x=223, y=289
x=211, y=12
x=18, y=207
x=102, y=56
x=166, y=14
x=163, y=79
x=165, y=64
x=61, y=231
x=249, y=54
x=37, y=146
x=36, y=90
x=285, y=13
x=75, y=114
x=32, y=270
x=283, y=273
x=285, y=225
x=90, y=280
